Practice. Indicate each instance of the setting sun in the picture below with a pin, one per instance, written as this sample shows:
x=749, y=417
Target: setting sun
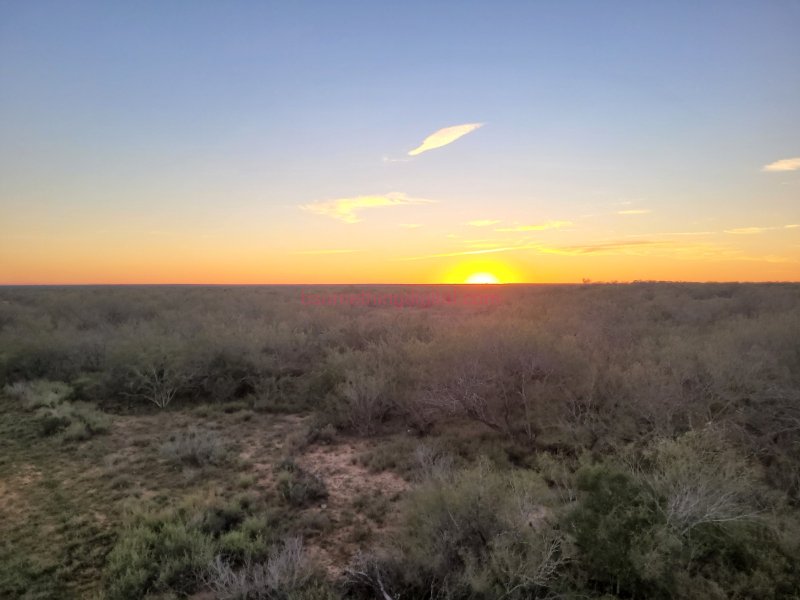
x=482, y=278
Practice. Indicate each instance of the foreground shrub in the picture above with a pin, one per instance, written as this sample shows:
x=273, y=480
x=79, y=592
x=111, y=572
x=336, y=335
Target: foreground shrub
x=476, y=534
x=288, y=573
x=690, y=520
x=701, y=480
x=170, y=550
x=157, y=555
x=615, y=519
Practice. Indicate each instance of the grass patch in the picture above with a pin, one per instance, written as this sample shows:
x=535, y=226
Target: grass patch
x=196, y=448
x=298, y=487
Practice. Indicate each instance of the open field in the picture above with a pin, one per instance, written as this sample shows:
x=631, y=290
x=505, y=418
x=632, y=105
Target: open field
x=587, y=441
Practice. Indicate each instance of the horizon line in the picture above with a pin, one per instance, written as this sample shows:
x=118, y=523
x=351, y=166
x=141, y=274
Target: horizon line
x=520, y=283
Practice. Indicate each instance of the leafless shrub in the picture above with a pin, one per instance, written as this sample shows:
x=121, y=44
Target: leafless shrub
x=501, y=379
x=157, y=382
x=367, y=571
x=528, y=563
x=702, y=480
x=287, y=570
x=432, y=463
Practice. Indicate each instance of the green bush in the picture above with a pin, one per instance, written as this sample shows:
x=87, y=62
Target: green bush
x=55, y=414
x=157, y=555
x=687, y=522
x=615, y=518
x=170, y=550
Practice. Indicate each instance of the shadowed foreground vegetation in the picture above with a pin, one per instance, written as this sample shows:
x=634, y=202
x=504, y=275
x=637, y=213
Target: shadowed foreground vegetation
x=595, y=441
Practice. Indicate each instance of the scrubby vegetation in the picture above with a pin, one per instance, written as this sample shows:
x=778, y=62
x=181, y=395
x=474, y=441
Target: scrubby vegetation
x=600, y=441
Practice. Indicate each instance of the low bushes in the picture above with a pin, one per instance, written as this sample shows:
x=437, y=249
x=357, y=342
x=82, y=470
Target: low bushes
x=477, y=533
x=172, y=550
x=55, y=414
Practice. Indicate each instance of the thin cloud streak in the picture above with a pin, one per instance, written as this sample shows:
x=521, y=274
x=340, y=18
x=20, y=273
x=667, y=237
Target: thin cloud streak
x=671, y=233
x=443, y=137
x=347, y=209
x=317, y=252
x=544, y=249
x=626, y=247
x=748, y=230
x=539, y=227
x=786, y=164
x=465, y=253
x=757, y=230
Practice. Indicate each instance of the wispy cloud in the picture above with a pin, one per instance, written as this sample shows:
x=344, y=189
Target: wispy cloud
x=757, y=230
x=410, y=225
x=635, y=211
x=787, y=164
x=646, y=247
x=347, y=209
x=443, y=137
x=748, y=230
x=537, y=227
x=623, y=247
x=671, y=233
x=482, y=244
x=465, y=252
x=332, y=251
x=603, y=247
x=483, y=222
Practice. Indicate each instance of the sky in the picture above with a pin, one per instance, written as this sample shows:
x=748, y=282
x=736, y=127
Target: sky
x=399, y=142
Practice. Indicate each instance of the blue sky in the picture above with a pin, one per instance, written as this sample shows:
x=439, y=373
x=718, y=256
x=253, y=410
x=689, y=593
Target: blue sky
x=204, y=120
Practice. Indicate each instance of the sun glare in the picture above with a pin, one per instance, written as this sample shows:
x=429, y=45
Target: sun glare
x=482, y=278
x=483, y=270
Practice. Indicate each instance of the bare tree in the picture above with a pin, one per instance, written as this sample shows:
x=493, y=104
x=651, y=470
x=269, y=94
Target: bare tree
x=157, y=382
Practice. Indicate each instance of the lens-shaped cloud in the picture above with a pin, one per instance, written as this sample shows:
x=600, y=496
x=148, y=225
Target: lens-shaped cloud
x=787, y=164
x=443, y=137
